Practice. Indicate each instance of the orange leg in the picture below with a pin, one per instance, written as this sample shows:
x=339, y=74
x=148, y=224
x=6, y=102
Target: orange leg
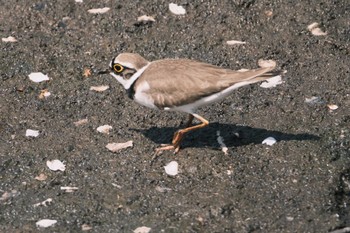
x=179, y=135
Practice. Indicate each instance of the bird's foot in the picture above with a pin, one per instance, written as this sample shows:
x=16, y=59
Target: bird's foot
x=164, y=147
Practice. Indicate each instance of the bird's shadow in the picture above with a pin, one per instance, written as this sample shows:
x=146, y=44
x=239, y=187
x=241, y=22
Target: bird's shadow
x=233, y=135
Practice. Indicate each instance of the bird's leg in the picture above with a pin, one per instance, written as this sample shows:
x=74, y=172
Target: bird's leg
x=179, y=135
x=190, y=119
x=176, y=135
x=171, y=146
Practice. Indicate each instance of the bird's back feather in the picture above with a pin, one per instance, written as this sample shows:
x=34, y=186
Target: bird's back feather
x=180, y=82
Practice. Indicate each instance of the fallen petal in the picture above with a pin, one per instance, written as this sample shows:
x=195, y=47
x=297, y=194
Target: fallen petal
x=99, y=88
x=87, y=72
x=176, y=9
x=312, y=26
x=145, y=18
x=332, y=107
x=268, y=13
x=114, y=147
x=45, y=223
x=318, y=32
x=32, y=133
x=269, y=141
x=9, y=39
x=38, y=77
x=41, y=177
x=99, y=10
x=315, y=30
x=69, y=189
x=81, y=122
x=44, y=203
x=142, y=229
x=162, y=189
x=272, y=82
x=85, y=227
x=314, y=100
x=233, y=42
x=8, y=195
x=44, y=94
x=104, y=129
x=172, y=168
x=56, y=165
x=221, y=142
x=266, y=63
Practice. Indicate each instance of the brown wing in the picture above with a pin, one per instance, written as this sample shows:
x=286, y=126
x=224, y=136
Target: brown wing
x=179, y=82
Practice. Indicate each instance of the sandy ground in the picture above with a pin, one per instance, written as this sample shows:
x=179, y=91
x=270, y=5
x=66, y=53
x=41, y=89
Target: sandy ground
x=300, y=184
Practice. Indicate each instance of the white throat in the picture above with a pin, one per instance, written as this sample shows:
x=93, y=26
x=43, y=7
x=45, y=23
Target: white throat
x=127, y=83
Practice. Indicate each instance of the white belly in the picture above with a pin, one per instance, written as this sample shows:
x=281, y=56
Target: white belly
x=141, y=97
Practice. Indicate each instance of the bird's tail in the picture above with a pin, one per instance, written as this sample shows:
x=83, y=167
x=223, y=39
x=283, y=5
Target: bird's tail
x=265, y=76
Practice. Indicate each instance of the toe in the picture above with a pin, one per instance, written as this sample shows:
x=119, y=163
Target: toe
x=165, y=147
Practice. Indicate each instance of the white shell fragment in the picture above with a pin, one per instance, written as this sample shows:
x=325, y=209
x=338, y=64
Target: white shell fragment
x=272, y=82
x=145, y=18
x=172, y=168
x=266, y=63
x=104, y=129
x=114, y=147
x=79, y=1
x=315, y=30
x=176, y=9
x=99, y=10
x=43, y=203
x=99, y=88
x=56, y=165
x=233, y=42
x=9, y=39
x=220, y=140
x=69, y=189
x=269, y=141
x=45, y=223
x=142, y=229
x=38, y=77
x=32, y=133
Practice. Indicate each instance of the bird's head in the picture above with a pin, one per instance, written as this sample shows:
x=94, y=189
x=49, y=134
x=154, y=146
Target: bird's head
x=124, y=66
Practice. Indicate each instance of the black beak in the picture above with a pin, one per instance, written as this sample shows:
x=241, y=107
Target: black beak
x=104, y=71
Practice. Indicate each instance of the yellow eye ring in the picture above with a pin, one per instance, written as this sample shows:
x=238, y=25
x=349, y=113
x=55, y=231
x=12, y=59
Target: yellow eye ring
x=118, y=68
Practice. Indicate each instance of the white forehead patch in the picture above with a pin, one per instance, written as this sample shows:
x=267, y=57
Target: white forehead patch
x=123, y=63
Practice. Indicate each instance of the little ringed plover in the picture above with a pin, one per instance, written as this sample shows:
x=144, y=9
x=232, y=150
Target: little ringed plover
x=179, y=85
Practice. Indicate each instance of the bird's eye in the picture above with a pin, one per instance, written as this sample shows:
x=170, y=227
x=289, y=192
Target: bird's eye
x=118, y=68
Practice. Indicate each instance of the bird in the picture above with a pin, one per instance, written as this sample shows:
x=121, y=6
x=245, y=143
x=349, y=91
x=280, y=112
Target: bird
x=182, y=85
